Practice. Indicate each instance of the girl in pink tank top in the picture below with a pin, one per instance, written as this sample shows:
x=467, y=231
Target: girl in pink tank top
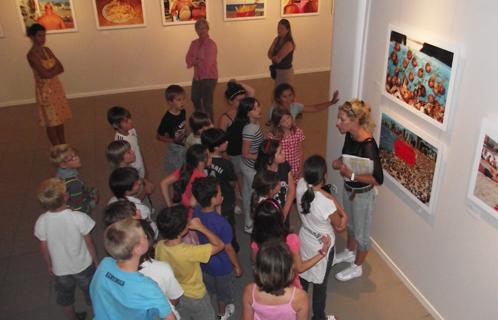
x=269, y=225
x=273, y=296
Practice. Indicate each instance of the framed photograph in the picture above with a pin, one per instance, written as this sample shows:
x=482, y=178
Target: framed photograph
x=420, y=75
x=483, y=186
x=300, y=8
x=119, y=14
x=411, y=160
x=55, y=15
x=176, y=12
x=244, y=9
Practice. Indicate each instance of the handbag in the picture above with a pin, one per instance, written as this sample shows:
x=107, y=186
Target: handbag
x=273, y=71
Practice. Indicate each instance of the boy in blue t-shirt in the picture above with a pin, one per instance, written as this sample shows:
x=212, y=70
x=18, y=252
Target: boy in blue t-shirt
x=219, y=271
x=118, y=290
x=221, y=168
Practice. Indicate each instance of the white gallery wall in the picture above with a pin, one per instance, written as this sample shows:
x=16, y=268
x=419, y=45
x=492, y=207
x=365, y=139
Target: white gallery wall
x=450, y=258
x=99, y=62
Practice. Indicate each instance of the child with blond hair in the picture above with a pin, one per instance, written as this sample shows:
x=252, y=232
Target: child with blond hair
x=118, y=290
x=66, y=245
x=67, y=160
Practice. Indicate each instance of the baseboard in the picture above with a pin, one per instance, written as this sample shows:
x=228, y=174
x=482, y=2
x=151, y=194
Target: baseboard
x=406, y=281
x=153, y=87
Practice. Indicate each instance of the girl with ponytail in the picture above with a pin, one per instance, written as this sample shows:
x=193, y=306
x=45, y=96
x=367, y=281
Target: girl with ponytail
x=320, y=214
x=197, y=159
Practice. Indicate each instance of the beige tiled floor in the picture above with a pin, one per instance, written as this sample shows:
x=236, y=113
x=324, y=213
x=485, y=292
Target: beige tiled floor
x=26, y=290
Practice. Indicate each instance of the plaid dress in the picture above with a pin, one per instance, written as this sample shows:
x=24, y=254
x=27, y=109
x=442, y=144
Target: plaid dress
x=293, y=153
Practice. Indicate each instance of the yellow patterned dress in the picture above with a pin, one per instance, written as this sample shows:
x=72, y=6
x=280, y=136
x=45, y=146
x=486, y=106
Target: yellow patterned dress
x=53, y=107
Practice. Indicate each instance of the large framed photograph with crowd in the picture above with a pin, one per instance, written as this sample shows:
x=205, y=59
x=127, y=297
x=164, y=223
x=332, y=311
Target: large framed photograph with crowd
x=483, y=186
x=234, y=10
x=55, y=15
x=183, y=12
x=119, y=14
x=411, y=160
x=420, y=73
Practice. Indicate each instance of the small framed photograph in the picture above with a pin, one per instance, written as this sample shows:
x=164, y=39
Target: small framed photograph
x=55, y=16
x=235, y=10
x=483, y=186
x=176, y=12
x=300, y=8
x=119, y=14
x=411, y=160
x=420, y=74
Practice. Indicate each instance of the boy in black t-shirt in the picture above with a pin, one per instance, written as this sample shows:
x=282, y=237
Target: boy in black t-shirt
x=221, y=168
x=172, y=128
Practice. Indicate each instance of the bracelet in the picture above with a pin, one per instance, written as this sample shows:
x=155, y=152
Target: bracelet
x=352, y=176
x=321, y=252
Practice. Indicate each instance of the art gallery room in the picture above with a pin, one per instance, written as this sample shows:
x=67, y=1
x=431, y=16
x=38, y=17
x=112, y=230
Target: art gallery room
x=426, y=68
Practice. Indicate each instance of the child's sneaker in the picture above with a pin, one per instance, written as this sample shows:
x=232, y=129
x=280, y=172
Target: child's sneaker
x=349, y=273
x=229, y=311
x=345, y=256
x=248, y=229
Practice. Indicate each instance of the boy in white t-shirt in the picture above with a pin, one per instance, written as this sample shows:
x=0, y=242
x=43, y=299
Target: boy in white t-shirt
x=66, y=245
x=120, y=119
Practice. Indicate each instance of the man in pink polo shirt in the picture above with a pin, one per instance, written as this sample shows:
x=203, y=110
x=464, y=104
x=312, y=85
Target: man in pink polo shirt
x=202, y=56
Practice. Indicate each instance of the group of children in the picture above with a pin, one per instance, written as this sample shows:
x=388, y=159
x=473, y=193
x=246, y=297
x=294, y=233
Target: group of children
x=167, y=265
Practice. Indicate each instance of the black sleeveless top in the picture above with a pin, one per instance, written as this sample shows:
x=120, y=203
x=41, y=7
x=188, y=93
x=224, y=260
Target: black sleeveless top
x=286, y=62
x=365, y=149
x=234, y=137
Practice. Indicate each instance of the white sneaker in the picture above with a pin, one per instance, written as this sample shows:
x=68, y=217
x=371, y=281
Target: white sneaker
x=345, y=256
x=248, y=229
x=349, y=273
x=229, y=311
x=237, y=210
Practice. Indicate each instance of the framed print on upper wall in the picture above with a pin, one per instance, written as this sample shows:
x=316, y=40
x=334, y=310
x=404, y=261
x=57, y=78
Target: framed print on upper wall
x=55, y=15
x=420, y=75
x=300, y=8
x=483, y=186
x=411, y=160
x=119, y=14
x=234, y=10
x=176, y=12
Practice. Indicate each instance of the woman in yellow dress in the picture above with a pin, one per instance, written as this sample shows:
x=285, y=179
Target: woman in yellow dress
x=53, y=107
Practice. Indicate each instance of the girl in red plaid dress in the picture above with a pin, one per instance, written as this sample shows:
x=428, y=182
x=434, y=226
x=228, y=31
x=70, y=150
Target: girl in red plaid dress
x=283, y=128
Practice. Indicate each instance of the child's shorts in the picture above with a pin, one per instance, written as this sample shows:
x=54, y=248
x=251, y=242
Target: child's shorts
x=190, y=308
x=221, y=286
x=175, y=157
x=65, y=286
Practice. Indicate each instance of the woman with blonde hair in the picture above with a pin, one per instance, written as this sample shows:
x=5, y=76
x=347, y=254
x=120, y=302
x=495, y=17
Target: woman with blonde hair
x=354, y=121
